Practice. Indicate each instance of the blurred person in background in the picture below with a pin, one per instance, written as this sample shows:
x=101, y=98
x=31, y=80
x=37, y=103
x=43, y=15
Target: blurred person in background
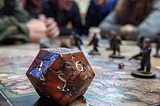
x=34, y=7
x=133, y=18
x=21, y=3
x=98, y=10
x=64, y=11
x=17, y=25
x=11, y=8
x=11, y=19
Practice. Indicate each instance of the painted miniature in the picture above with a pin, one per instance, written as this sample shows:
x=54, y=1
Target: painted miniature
x=145, y=65
x=76, y=40
x=94, y=42
x=140, y=42
x=109, y=37
x=115, y=43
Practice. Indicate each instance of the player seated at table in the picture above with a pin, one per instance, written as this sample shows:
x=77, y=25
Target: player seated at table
x=16, y=25
x=64, y=11
x=21, y=3
x=133, y=18
x=98, y=10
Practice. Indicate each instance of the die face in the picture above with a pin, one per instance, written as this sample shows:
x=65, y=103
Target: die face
x=65, y=76
x=41, y=63
x=76, y=74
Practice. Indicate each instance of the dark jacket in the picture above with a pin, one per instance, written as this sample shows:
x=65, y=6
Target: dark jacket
x=96, y=14
x=62, y=17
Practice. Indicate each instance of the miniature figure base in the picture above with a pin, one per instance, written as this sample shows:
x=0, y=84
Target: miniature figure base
x=157, y=56
x=108, y=49
x=155, y=104
x=94, y=53
x=117, y=57
x=141, y=74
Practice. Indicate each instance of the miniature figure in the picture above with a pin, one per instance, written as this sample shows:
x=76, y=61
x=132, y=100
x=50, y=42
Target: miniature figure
x=145, y=53
x=92, y=31
x=115, y=43
x=140, y=42
x=157, y=46
x=76, y=40
x=64, y=44
x=109, y=38
x=94, y=42
x=145, y=61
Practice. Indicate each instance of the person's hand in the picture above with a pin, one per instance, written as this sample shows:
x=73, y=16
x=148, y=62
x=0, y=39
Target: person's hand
x=126, y=29
x=51, y=25
x=52, y=28
x=37, y=30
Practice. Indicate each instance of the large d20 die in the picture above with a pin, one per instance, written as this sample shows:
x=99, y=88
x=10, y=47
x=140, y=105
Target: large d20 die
x=60, y=74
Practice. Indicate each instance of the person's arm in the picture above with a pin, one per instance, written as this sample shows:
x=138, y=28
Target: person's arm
x=48, y=11
x=12, y=21
x=150, y=27
x=76, y=19
x=11, y=31
x=22, y=15
x=5, y=22
x=110, y=23
x=90, y=14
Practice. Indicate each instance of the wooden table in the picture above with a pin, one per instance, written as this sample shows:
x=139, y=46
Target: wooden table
x=122, y=88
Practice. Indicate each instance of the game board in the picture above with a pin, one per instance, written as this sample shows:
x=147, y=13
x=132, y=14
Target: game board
x=110, y=87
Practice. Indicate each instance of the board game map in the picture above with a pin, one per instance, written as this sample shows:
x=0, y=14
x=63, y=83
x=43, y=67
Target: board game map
x=110, y=87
